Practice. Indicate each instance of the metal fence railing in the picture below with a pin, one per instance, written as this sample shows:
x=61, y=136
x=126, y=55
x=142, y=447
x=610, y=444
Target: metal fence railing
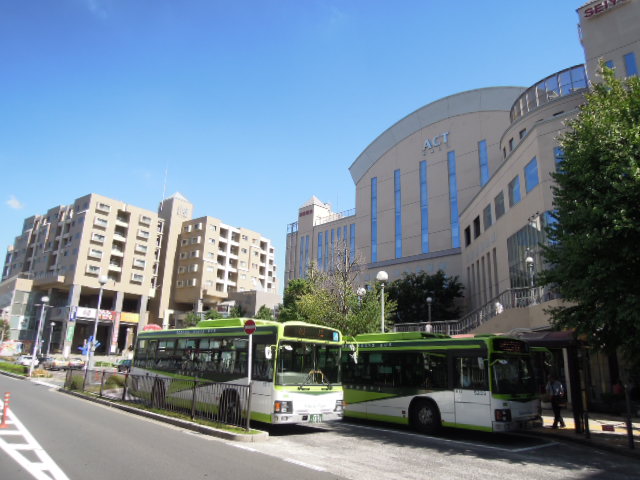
x=200, y=399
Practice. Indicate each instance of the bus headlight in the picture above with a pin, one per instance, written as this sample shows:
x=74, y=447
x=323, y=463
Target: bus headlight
x=283, y=406
x=339, y=406
x=503, y=415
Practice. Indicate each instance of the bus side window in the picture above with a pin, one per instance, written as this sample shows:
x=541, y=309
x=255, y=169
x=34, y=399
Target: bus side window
x=468, y=373
x=435, y=371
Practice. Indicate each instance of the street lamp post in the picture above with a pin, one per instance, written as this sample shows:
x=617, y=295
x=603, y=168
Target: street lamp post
x=429, y=326
x=382, y=277
x=92, y=348
x=52, y=324
x=530, y=264
x=361, y=292
x=44, y=300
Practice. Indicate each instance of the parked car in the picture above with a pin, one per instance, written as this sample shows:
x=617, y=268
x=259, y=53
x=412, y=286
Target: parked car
x=25, y=360
x=52, y=363
x=75, y=363
x=124, y=366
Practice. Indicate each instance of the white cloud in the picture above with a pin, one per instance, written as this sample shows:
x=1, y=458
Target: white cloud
x=14, y=203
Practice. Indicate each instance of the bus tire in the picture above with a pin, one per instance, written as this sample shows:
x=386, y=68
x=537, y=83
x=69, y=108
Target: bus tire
x=229, y=408
x=425, y=416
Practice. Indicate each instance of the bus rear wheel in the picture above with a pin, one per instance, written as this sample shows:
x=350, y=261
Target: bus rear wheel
x=425, y=417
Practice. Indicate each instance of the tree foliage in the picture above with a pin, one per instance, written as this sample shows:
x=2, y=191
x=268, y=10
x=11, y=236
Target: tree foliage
x=264, y=313
x=212, y=314
x=411, y=291
x=5, y=329
x=191, y=319
x=329, y=298
x=594, y=255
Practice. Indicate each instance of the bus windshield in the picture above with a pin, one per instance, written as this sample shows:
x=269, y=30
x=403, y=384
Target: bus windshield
x=512, y=374
x=301, y=363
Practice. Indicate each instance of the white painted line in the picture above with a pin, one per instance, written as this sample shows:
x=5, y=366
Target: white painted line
x=42, y=469
x=305, y=465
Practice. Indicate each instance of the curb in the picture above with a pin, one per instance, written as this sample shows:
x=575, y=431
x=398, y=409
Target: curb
x=599, y=445
x=214, y=432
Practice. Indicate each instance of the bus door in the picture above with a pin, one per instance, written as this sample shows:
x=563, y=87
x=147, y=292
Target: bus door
x=471, y=390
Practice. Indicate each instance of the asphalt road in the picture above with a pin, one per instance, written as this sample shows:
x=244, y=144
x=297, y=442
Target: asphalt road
x=84, y=439
x=87, y=440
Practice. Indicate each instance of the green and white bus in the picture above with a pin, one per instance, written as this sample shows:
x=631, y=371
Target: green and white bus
x=428, y=381
x=295, y=366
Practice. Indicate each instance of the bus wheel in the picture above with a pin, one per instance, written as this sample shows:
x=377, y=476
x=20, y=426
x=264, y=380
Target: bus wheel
x=229, y=408
x=425, y=417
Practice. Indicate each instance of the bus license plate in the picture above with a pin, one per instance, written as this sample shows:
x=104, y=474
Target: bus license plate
x=315, y=418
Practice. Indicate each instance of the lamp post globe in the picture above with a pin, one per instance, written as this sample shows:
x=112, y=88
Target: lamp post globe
x=429, y=302
x=382, y=277
x=361, y=292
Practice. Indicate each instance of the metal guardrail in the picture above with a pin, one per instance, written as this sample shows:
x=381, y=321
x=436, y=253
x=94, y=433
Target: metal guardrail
x=225, y=403
x=512, y=298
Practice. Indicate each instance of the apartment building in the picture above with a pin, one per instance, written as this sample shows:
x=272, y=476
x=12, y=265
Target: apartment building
x=214, y=260
x=66, y=252
x=150, y=268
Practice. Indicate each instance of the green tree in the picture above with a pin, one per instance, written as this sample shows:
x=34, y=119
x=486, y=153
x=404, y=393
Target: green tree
x=593, y=258
x=212, y=314
x=295, y=290
x=5, y=329
x=411, y=291
x=329, y=298
x=236, y=312
x=191, y=319
x=264, y=313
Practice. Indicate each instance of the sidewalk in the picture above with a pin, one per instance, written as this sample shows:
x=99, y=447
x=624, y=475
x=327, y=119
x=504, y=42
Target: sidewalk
x=606, y=432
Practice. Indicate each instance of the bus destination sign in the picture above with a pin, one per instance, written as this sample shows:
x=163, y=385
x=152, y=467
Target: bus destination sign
x=510, y=345
x=314, y=333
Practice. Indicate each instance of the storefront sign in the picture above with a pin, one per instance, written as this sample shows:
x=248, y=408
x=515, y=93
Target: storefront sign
x=128, y=317
x=432, y=143
x=601, y=7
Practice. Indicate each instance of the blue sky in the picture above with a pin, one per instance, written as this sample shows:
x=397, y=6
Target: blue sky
x=251, y=106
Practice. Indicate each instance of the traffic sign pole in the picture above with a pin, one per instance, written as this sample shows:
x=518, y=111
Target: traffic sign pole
x=249, y=328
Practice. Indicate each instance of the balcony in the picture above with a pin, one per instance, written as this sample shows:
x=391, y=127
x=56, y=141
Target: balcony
x=122, y=222
x=116, y=252
x=119, y=237
x=114, y=267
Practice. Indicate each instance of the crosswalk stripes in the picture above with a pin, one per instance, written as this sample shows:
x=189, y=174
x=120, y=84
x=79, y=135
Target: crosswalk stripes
x=17, y=442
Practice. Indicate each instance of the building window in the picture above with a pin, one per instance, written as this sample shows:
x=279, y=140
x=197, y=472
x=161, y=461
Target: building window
x=558, y=155
x=137, y=277
x=609, y=64
x=486, y=217
x=183, y=255
x=182, y=269
x=95, y=253
x=143, y=233
x=531, y=175
x=453, y=200
x=184, y=242
x=498, y=203
x=352, y=240
x=467, y=236
x=630, y=64
x=424, y=207
x=522, y=133
x=100, y=222
x=145, y=220
x=514, y=191
x=187, y=228
x=510, y=144
x=326, y=250
x=96, y=237
x=93, y=269
x=103, y=207
x=193, y=268
x=180, y=283
x=397, y=195
x=141, y=248
x=483, y=157
x=139, y=263
x=476, y=227
x=374, y=219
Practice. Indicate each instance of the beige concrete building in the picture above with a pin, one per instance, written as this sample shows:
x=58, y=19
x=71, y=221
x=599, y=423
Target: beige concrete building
x=150, y=267
x=215, y=260
x=464, y=185
x=65, y=252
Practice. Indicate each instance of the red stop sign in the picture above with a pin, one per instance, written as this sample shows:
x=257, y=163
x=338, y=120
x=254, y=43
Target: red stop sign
x=249, y=327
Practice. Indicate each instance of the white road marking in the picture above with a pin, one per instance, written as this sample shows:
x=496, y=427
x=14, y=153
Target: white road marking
x=43, y=469
x=305, y=465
